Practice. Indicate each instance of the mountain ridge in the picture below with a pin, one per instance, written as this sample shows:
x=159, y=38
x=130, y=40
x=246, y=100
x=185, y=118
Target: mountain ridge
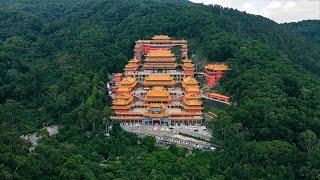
x=55, y=57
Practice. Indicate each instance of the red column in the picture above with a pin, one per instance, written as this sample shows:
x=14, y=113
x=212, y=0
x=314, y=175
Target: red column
x=146, y=48
x=117, y=79
x=210, y=78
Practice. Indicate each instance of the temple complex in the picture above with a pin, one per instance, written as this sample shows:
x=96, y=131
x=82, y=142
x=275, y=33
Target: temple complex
x=153, y=91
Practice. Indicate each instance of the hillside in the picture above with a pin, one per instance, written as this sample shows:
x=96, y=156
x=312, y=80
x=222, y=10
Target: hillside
x=310, y=29
x=55, y=57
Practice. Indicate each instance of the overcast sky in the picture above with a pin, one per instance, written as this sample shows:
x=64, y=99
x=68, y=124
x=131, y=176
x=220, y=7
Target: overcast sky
x=278, y=10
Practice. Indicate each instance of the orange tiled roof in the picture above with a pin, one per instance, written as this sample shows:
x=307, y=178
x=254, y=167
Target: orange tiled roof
x=217, y=67
x=123, y=96
x=192, y=102
x=160, y=53
x=193, y=107
x=126, y=107
x=218, y=95
x=192, y=96
x=190, y=84
x=126, y=118
x=156, y=80
x=131, y=66
x=161, y=37
x=159, y=77
x=158, y=91
x=128, y=80
x=182, y=118
x=134, y=60
x=127, y=84
x=163, y=111
x=123, y=88
x=186, y=61
x=160, y=65
x=158, y=83
x=122, y=101
x=188, y=66
x=159, y=60
x=190, y=81
x=161, y=115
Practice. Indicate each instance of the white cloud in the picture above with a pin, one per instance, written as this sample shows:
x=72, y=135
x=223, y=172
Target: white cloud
x=277, y=10
x=274, y=5
x=248, y=7
x=290, y=4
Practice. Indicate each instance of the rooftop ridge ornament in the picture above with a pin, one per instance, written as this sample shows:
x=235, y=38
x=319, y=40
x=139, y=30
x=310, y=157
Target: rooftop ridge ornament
x=161, y=37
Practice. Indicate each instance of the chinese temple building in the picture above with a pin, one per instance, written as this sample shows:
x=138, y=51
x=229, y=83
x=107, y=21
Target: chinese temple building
x=158, y=80
x=214, y=72
x=153, y=91
x=159, y=42
x=160, y=60
x=132, y=66
x=188, y=67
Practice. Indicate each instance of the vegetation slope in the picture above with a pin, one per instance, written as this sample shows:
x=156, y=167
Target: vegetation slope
x=55, y=57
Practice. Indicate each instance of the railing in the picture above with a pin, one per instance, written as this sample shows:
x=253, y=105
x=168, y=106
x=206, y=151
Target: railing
x=177, y=97
x=199, y=73
x=134, y=118
x=215, y=99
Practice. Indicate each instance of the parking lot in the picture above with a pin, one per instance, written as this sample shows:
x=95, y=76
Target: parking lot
x=180, y=135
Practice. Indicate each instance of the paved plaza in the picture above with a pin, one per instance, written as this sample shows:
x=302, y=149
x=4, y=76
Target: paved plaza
x=180, y=135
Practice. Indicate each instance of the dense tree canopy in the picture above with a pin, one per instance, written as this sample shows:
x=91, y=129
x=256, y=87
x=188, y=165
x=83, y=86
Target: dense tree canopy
x=55, y=57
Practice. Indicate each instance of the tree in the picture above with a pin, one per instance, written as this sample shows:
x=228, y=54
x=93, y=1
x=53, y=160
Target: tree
x=149, y=143
x=307, y=140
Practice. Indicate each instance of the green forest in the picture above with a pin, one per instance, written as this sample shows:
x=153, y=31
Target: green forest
x=55, y=57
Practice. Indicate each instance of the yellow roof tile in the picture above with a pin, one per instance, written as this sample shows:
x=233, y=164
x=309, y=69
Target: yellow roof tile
x=126, y=107
x=128, y=80
x=190, y=81
x=186, y=61
x=158, y=91
x=160, y=53
x=218, y=95
x=192, y=96
x=193, y=102
x=217, y=67
x=188, y=65
x=134, y=60
x=161, y=37
x=159, y=77
x=192, y=107
x=123, y=88
x=123, y=96
x=121, y=102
